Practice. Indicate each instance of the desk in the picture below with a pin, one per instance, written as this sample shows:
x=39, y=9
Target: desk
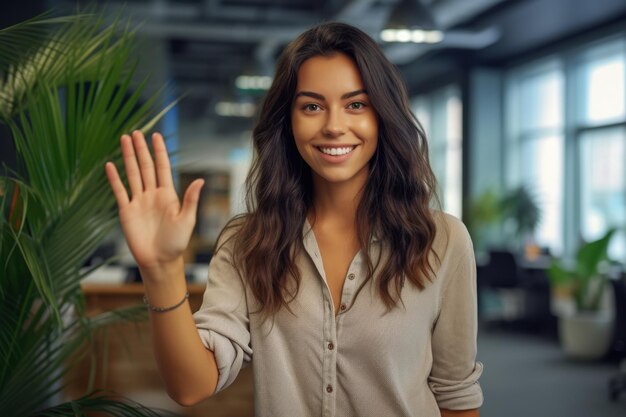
x=131, y=368
x=516, y=290
x=542, y=262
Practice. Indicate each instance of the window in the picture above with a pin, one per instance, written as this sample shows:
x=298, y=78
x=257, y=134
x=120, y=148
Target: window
x=566, y=140
x=603, y=185
x=600, y=121
x=603, y=85
x=535, y=145
x=440, y=114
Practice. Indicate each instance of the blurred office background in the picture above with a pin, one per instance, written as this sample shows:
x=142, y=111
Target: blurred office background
x=524, y=104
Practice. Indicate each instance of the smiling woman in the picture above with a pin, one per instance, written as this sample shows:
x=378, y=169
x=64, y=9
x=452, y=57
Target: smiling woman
x=346, y=292
x=335, y=128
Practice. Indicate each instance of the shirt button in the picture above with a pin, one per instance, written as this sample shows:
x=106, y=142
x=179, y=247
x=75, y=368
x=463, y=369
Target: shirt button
x=331, y=346
x=329, y=388
x=351, y=276
x=343, y=307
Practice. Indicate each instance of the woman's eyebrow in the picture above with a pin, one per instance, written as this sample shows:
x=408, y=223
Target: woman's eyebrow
x=353, y=93
x=321, y=97
x=310, y=94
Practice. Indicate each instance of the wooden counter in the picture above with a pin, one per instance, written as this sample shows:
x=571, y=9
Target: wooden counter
x=127, y=365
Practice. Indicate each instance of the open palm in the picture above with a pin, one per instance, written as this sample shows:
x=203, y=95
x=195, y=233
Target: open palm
x=156, y=226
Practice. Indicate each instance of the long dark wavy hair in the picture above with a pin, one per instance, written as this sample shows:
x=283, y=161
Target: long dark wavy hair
x=395, y=201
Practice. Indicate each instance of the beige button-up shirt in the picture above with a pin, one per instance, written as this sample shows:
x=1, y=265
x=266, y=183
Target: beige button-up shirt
x=363, y=362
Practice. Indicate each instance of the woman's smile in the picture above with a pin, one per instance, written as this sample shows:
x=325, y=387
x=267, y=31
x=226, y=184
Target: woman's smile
x=336, y=151
x=336, y=154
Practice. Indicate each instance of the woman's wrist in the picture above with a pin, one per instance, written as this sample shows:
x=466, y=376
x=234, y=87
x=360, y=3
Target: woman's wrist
x=164, y=282
x=158, y=309
x=159, y=273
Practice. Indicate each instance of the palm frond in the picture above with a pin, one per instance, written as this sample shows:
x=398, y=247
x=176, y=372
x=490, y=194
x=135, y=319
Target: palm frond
x=19, y=40
x=48, y=46
x=64, y=136
x=67, y=93
x=99, y=402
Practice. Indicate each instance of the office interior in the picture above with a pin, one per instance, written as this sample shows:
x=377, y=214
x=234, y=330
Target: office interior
x=524, y=106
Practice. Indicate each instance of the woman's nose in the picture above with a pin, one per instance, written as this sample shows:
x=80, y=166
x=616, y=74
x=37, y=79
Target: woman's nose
x=335, y=124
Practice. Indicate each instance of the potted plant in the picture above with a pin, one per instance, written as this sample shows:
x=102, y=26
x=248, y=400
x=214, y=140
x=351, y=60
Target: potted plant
x=516, y=211
x=585, y=327
x=484, y=212
x=520, y=207
x=66, y=95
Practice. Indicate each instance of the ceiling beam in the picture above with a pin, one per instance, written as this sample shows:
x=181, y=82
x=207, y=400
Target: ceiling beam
x=218, y=10
x=217, y=32
x=448, y=13
x=405, y=53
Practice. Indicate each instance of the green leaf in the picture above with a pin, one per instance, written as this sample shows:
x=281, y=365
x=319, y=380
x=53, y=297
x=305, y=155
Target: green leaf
x=591, y=254
x=580, y=278
x=558, y=275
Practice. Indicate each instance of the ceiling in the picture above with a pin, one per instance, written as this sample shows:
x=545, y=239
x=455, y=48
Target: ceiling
x=206, y=44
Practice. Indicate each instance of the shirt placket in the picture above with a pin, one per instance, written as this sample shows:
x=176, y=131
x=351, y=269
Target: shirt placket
x=329, y=375
x=329, y=357
x=349, y=288
x=332, y=324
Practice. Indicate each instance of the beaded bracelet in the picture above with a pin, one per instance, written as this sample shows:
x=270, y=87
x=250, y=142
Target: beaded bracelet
x=165, y=309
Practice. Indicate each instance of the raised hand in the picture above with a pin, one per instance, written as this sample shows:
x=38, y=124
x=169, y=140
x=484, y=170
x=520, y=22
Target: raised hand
x=156, y=226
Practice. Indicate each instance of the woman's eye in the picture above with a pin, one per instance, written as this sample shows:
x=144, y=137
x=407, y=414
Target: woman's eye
x=356, y=105
x=311, y=107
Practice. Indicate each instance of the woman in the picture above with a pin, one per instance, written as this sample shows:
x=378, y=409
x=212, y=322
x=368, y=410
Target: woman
x=353, y=297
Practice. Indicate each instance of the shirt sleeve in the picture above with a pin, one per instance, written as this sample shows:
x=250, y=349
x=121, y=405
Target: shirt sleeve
x=222, y=320
x=455, y=371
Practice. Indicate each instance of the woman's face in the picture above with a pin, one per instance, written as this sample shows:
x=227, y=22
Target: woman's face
x=334, y=125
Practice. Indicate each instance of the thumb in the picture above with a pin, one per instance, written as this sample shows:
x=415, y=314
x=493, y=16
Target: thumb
x=190, y=200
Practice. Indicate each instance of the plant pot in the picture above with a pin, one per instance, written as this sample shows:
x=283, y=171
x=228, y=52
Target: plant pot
x=586, y=335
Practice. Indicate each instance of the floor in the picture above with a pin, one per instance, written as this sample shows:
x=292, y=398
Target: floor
x=528, y=375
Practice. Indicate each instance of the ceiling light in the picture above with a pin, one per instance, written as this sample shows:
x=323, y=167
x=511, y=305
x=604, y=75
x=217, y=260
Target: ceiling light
x=418, y=36
x=403, y=35
x=253, y=82
x=232, y=109
x=433, y=36
x=415, y=35
x=411, y=21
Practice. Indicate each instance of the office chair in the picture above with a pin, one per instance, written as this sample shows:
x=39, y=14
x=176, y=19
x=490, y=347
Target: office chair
x=501, y=297
x=501, y=271
x=524, y=295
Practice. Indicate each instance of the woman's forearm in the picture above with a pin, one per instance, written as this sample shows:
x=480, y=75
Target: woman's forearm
x=188, y=369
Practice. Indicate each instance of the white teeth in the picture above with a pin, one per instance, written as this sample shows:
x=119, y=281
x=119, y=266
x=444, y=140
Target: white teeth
x=337, y=151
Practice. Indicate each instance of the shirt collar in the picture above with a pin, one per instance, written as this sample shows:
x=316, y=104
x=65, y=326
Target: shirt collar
x=306, y=229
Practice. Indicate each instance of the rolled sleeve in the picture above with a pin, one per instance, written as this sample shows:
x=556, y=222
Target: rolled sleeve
x=455, y=372
x=222, y=320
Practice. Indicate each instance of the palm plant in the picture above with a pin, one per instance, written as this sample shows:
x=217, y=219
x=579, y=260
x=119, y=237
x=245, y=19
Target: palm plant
x=66, y=95
x=483, y=213
x=520, y=205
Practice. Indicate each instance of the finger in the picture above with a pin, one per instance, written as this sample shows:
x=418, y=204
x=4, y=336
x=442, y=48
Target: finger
x=162, y=160
x=146, y=165
x=119, y=191
x=130, y=164
x=190, y=200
